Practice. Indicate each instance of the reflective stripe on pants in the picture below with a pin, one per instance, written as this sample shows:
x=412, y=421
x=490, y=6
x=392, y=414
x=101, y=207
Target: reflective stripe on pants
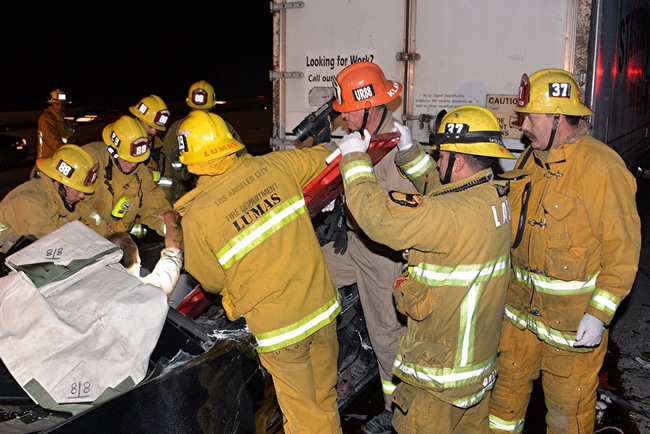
x=304, y=377
x=569, y=382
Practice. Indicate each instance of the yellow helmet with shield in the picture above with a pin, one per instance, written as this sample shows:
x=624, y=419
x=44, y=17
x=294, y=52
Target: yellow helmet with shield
x=153, y=111
x=58, y=96
x=204, y=136
x=71, y=165
x=127, y=139
x=551, y=91
x=473, y=130
x=201, y=96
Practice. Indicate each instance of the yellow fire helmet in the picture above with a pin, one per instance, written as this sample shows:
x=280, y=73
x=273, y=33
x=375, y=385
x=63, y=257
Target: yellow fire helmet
x=551, y=91
x=471, y=129
x=153, y=111
x=201, y=95
x=126, y=138
x=363, y=85
x=72, y=166
x=58, y=96
x=204, y=136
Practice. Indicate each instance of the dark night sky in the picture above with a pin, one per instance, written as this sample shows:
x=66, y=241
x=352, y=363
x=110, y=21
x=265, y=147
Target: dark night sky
x=104, y=53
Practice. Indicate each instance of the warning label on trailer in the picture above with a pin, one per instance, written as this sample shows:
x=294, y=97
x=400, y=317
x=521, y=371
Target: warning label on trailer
x=503, y=107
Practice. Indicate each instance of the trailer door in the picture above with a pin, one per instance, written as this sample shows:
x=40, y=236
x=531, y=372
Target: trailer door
x=315, y=39
x=476, y=54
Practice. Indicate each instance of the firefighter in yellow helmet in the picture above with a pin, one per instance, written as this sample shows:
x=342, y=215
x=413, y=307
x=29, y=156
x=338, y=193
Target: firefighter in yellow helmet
x=362, y=93
x=47, y=202
x=248, y=236
x=176, y=180
x=54, y=130
x=575, y=251
x=125, y=189
x=154, y=115
x=457, y=236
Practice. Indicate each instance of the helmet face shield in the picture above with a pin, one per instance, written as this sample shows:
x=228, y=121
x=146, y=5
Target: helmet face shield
x=199, y=97
x=139, y=147
x=161, y=118
x=91, y=177
x=524, y=91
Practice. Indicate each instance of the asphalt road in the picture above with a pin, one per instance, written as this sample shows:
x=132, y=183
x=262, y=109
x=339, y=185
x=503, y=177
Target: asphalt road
x=629, y=353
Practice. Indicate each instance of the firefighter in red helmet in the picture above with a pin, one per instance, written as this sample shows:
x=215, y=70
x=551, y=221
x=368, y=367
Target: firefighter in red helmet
x=362, y=93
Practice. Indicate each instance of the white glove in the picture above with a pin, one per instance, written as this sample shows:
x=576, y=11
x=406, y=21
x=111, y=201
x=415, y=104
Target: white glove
x=590, y=331
x=329, y=207
x=354, y=143
x=405, y=141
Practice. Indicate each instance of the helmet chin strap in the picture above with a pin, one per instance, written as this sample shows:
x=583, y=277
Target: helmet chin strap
x=450, y=168
x=556, y=120
x=62, y=193
x=115, y=155
x=366, y=112
x=119, y=166
x=365, y=120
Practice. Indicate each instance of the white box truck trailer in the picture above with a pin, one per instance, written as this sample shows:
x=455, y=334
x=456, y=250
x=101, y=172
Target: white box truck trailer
x=467, y=52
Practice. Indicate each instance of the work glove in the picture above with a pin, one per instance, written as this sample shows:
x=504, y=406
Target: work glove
x=329, y=207
x=338, y=228
x=334, y=228
x=590, y=331
x=354, y=143
x=405, y=141
x=114, y=227
x=324, y=136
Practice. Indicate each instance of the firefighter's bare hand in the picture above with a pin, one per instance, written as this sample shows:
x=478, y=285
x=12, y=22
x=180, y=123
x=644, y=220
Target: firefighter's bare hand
x=307, y=143
x=590, y=331
x=169, y=216
x=405, y=141
x=354, y=142
x=173, y=231
x=112, y=228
